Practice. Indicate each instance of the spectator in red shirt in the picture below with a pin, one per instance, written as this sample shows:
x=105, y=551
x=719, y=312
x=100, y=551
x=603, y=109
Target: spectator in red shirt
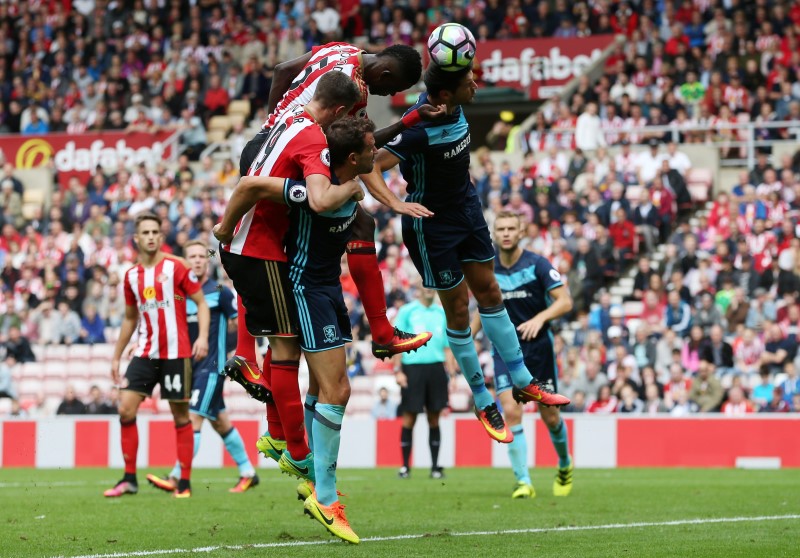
x=737, y=403
x=678, y=43
x=605, y=402
x=216, y=98
x=623, y=235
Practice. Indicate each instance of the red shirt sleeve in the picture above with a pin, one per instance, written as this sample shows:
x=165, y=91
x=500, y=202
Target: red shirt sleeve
x=130, y=297
x=311, y=154
x=185, y=279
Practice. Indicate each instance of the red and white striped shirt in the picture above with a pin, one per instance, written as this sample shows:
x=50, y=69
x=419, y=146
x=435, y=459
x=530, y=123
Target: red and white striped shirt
x=295, y=148
x=341, y=57
x=159, y=293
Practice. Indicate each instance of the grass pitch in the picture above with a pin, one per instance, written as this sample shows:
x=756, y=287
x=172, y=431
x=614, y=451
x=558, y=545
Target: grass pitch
x=624, y=512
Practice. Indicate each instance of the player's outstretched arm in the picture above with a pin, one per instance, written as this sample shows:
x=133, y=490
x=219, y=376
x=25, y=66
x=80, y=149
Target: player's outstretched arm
x=562, y=303
x=125, y=333
x=425, y=113
x=282, y=78
x=324, y=196
x=376, y=185
x=200, y=347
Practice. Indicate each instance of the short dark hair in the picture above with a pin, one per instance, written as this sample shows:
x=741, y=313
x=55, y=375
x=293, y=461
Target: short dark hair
x=346, y=136
x=336, y=88
x=438, y=80
x=408, y=60
x=142, y=217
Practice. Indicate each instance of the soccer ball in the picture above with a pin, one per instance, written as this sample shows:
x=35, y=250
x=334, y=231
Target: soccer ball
x=452, y=47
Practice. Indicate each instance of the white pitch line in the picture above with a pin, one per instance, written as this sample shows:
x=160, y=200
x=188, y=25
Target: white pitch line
x=637, y=525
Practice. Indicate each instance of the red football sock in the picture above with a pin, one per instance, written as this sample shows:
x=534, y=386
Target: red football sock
x=185, y=444
x=245, y=343
x=130, y=445
x=363, y=263
x=286, y=392
x=274, y=425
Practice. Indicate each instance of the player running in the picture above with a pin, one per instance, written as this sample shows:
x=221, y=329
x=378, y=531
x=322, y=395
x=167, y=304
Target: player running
x=454, y=243
x=252, y=235
x=394, y=69
x=208, y=377
x=534, y=296
x=156, y=293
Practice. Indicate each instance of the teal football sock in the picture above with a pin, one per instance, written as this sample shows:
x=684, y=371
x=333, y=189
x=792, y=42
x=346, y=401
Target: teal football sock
x=176, y=470
x=235, y=447
x=559, y=438
x=464, y=352
x=327, y=434
x=308, y=418
x=503, y=335
x=518, y=454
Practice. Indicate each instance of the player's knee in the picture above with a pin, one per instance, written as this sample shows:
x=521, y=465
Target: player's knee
x=127, y=412
x=487, y=293
x=341, y=392
x=283, y=350
x=180, y=412
x=221, y=428
x=458, y=317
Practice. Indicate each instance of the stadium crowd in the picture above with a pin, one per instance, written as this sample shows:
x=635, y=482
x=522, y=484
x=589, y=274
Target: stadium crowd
x=713, y=327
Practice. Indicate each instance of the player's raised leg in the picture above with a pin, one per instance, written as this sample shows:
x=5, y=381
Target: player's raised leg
x=243, y=367
x=362, y=260
x=455, y=302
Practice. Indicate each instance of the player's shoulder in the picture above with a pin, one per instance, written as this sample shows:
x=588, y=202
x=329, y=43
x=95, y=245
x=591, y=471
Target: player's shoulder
x=179, y=262
x=532, y=258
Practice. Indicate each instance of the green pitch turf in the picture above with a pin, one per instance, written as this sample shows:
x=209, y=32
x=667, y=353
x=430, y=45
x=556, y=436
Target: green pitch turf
x=635, y=512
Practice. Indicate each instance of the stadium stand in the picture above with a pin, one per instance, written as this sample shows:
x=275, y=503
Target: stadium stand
x=693, y=83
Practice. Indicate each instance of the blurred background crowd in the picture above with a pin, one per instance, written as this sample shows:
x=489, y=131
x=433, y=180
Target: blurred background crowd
x=710, y=315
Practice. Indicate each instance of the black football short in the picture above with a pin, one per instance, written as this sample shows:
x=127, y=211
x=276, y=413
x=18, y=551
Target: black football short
x=427, y=388
x=266, y=294
x=251, y=150
x=174, y=375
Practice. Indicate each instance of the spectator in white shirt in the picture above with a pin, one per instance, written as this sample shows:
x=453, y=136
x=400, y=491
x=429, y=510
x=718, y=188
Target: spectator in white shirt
x=623, y=86
x=326, y=18
x=678, y=160
x=554, y=159
x=648, y=162
x=588, y=132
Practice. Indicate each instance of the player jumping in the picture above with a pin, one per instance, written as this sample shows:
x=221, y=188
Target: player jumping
x=454, y=244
